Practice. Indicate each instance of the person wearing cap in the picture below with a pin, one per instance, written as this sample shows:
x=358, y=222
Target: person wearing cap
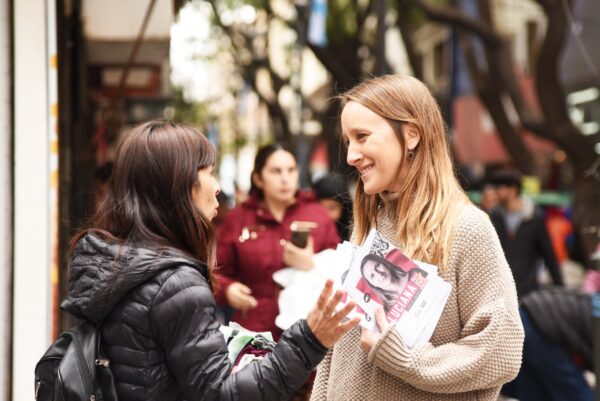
x=522, y=231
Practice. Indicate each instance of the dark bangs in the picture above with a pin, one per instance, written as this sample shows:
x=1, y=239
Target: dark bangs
x=204, y=150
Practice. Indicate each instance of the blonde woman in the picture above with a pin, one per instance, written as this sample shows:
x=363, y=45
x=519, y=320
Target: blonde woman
x=395, y=136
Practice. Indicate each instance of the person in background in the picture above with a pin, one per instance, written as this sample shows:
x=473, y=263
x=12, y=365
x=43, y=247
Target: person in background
x=223, y=312
x=489, y=198
x=224, y=207
x=143, y=271
x=254, y=239
x=332, y=193
x=591, y=280
x=239, y=194
x=558, y=346
x=521, y=228
x=407, y=189
x=559, y=229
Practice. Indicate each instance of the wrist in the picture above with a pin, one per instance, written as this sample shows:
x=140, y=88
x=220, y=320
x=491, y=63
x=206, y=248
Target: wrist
x=307, y=263
x=310, y=335
x=228, y=291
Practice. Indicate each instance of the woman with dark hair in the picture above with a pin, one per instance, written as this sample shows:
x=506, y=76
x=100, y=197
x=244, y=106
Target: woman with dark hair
x=254, y=240
x=143, y=272
x=385, y=279
x=333, y=194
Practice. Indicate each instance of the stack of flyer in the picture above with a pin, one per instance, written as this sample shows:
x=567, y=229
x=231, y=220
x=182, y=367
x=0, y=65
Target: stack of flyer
x=411, y=293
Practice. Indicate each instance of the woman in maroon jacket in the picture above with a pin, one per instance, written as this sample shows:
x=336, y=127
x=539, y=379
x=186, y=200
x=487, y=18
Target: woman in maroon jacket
x=254, y=239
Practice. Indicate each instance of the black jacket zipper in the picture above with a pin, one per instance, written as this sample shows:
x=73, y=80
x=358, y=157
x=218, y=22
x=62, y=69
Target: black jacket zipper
x=88, y=386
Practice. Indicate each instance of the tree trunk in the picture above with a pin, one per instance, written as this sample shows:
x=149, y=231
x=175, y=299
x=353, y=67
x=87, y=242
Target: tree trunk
x=586, y=213
x=579, y=148
x=510, y=137
x=404, y=24
x=491, y=83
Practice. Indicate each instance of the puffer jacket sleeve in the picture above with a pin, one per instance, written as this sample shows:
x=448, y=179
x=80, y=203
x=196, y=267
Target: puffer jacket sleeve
x=184, y=323
x=488, y=352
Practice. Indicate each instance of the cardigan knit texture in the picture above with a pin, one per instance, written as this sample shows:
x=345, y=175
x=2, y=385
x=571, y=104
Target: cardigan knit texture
x=475, y=348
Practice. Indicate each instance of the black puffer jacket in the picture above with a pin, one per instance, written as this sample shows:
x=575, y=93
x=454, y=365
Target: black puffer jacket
x=160, y=331
x=563, y=316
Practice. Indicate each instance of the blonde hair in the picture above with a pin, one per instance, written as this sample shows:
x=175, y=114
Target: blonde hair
x=430, y=198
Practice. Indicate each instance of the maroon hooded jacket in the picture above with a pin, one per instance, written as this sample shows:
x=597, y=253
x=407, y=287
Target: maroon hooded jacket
x=249, y=251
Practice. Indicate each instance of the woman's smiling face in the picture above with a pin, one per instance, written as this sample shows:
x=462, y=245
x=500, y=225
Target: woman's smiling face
x=373, y=148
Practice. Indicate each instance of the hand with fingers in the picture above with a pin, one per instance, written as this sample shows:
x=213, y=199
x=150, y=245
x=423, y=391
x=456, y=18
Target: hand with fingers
x=325, y=323
x=239, y=296
x=369, y=338
x=301, y=258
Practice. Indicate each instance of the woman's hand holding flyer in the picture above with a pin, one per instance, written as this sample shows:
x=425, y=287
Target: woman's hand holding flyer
x=368, y=338
x=410, y=293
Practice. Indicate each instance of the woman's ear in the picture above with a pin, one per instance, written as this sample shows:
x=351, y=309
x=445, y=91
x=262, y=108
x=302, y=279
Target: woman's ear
x=257, y=181
x=412, y=137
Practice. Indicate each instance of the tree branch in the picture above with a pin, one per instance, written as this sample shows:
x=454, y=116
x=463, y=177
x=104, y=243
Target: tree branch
x=454, y=17
x=248, y=71
x=362, y=17
x=551, y=93
x=491, y=84
x=403, y=22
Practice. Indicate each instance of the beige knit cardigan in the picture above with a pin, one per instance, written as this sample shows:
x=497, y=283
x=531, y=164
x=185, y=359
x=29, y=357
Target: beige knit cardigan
x=475, y=348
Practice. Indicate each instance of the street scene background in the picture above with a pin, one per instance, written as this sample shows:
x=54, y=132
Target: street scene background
x=518, y=82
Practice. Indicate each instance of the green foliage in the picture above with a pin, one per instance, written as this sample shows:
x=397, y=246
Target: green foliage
x=342, y=19
x=196, y=114
x=416, y=16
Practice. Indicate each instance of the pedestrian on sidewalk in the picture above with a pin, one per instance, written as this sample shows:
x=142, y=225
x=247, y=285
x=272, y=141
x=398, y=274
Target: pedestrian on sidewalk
x=521, y=227
x=254, y=239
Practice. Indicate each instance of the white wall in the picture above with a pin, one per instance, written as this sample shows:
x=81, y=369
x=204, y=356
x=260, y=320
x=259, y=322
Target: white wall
x=5, y=201
x=32, y=262
x=121, y=20
x=511, y=17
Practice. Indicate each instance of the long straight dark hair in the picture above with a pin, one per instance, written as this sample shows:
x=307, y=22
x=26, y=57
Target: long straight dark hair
x=149, y=198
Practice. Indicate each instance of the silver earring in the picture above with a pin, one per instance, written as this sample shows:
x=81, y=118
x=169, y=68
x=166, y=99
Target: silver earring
x=411, y=154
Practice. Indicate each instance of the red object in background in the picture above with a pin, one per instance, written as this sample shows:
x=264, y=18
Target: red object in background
x=475, y=137
x=252, y=260
x=559, y=228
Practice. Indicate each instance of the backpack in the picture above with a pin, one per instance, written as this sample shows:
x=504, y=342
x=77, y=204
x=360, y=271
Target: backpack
x=75, y=368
